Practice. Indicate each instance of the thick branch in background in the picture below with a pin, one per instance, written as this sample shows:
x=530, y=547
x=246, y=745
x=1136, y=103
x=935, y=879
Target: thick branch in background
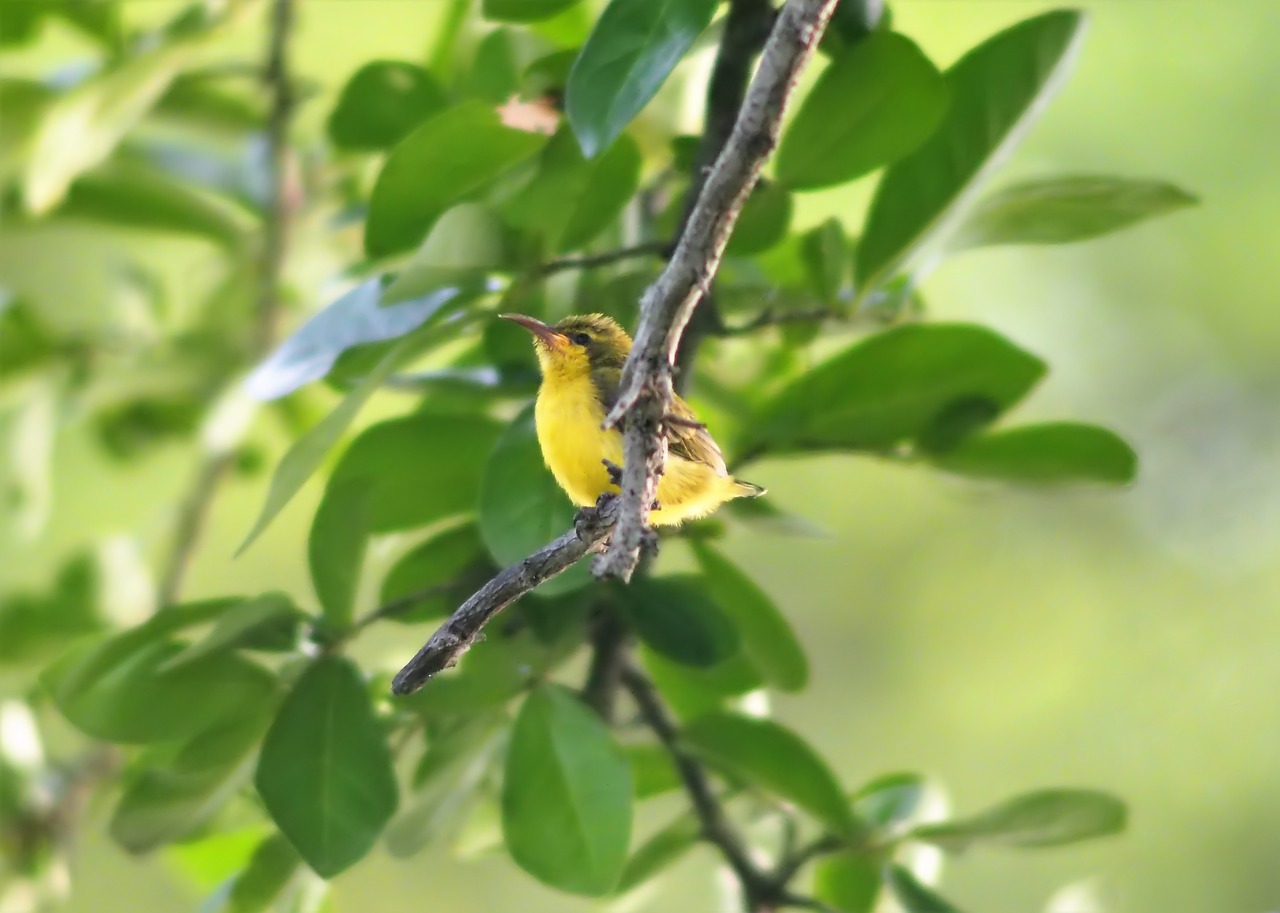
x=646, y=390
x=193, y=513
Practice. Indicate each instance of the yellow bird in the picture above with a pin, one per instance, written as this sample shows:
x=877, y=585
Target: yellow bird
x=581, y=359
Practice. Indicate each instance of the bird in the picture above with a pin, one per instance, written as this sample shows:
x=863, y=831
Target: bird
x=581, y=359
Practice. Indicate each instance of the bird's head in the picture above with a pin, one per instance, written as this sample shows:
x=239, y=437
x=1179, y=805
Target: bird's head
x=577, y=345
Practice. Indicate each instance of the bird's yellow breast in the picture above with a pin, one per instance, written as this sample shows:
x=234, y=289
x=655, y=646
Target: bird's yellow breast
x=568, y=415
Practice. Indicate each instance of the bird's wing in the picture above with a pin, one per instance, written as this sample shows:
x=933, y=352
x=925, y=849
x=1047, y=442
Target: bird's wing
x=689, y=441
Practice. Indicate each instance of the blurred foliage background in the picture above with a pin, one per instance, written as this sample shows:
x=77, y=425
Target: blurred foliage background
x=999, y=639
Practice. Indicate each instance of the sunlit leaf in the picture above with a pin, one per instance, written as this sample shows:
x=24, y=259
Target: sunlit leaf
x=1049, y=453
x=848, y=882
x=769, y=756
x=876, y=102
x=566, y=795
x=441, y=163
x=996, y=91
x=523, y=10
x=632, y=49
x=1062, y=210
x=325, y=771
x=268, y=872
x=1049, y=817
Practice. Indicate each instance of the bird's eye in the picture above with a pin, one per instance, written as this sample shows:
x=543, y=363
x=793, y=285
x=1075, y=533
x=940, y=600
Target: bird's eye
x=581, y=339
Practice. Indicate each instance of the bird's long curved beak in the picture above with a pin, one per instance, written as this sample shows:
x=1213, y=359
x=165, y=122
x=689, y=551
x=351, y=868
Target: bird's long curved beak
x=547, y=334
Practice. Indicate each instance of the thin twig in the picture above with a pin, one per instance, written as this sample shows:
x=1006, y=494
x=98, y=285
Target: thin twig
x=591, y=261
x=194, y=512
x=646, y=390
x=395, y=607
x=610, y=638
x=463, y=627
x=771, y=318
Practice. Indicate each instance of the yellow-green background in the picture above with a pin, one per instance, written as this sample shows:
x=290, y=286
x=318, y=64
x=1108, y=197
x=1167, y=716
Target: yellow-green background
x=996, y=639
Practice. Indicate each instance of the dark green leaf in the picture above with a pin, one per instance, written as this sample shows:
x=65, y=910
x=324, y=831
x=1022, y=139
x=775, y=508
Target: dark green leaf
x=523, y=10
x=136, y=196
x=1054, y=452
x=325, y=772
x=1049, y=817
x=566, y=795
x=775, y=759
x=245, y=624
x=692, y=690
x=849, y=882
x=521, y=506
x=163, y=804
x=33, y=625
x=632, y=49
x=84, y=126
x=896, y=386
x=890, y=801
x=570, y=200
x=270, y=868
x=122, y=690
x=446, y=783
x=912, y=894
x=876, y=102
x=826, y=258
x=996, y=91
x=197, y=100
x=308, y=451
x=423, y=467
x=464, y=246
x=446, y=160
x=660, y=852
x=355, y=319
x=767, y=639
x=678, y=617
x=1062, y=210
x=438, y=574
x=763, y=222
x=336, y=546
x=381, y=103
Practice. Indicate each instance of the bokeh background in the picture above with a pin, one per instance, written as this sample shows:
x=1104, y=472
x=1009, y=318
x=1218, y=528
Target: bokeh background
x=997, y=639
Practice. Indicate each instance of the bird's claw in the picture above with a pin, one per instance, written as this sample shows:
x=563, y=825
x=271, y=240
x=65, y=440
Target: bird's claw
x=585, y=521
x=615, y=472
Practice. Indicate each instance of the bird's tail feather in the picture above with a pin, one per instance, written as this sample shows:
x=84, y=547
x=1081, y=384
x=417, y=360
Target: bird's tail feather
x=749, y=489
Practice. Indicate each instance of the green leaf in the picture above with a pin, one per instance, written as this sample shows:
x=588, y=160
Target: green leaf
x=464, y=246
x=767, y=638
x=381, y=103
x=996, y=90
x=566, y=795
x=876, y=102
x=121, y=689
x=446, y=783
x=446, y=160
x=1052, y=452
x=1062, y=210
x=907, y=384
x=913, y=896
x=268, y=872
x=775, y=759
x=396, y=456
x=308, y=451
x=692, y=691
x=325, y=772
x=167, y=803
x=890, y=801
x=826, y=258
x=660, y=852
x=849, y=882
x=632, y=49
x=570, y=200
x=523, y=10
x=453, y=564
x=357, y=318
x=763, y=222
x=1049, y=817
x=244, y=624
x=677, y=617
x=34, y=625
x=336, y=546
x=136, y=196
x=84, y=126
x=521, y=507
x=495, y=71
x=652, y=770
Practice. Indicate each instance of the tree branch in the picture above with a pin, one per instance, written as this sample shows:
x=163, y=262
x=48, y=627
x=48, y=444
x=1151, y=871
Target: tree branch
x=194, y=511
x=646, y=390
x=455, y=636
x=591, y=261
